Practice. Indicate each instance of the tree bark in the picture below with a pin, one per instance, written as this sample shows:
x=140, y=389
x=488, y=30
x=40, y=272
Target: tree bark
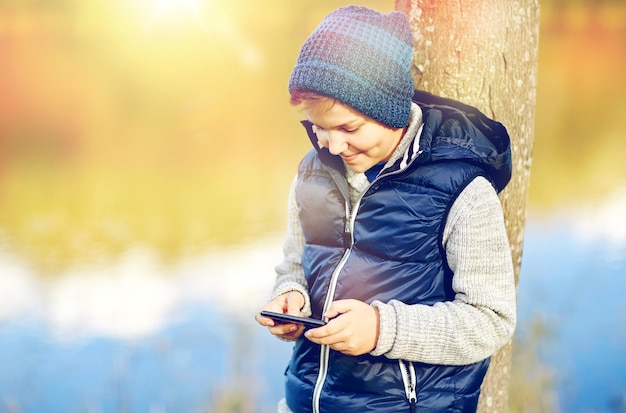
x=484, y=53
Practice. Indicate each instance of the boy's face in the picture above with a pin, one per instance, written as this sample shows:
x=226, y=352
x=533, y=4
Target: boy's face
x=361, y=141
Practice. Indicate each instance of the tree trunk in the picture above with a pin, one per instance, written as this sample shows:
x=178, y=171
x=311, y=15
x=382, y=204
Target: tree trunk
x=484, y=53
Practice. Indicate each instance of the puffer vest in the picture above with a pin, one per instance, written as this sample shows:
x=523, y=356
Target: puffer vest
x=391, y=248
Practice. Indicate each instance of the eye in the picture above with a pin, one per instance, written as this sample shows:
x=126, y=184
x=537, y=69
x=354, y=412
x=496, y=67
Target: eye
x=350, y=130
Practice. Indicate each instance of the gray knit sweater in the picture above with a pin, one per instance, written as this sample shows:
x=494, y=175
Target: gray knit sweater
x=482, y=316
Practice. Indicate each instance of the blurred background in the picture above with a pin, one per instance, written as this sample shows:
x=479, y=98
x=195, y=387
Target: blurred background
x=146, y=151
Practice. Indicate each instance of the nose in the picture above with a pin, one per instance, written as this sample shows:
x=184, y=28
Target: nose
x=336, y=143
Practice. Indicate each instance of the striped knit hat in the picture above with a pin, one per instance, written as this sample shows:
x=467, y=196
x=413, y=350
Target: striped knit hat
x=362, y=58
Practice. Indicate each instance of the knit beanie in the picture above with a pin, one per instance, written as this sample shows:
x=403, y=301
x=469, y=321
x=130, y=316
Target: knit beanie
x=362, y=58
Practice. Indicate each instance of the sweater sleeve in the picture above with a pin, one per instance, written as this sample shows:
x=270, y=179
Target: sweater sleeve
x=482, y=316
x=289, y=273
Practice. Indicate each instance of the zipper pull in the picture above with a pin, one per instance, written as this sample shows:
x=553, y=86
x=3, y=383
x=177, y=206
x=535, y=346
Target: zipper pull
x=408, y=377
x=347, y=230
x=413, y=388
x=347, y=239
x=413, y=398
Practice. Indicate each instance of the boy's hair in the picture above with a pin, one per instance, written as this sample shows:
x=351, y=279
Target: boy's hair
x=361, y=58
x=308, y=99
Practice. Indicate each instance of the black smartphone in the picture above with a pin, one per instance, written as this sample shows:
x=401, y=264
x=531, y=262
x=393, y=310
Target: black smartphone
x=288, y=318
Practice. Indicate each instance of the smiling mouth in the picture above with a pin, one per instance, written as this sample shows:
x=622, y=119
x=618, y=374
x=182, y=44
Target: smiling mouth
x=348, y=158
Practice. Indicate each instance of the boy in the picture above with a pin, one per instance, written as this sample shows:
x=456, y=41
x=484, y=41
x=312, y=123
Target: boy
x=396, y=235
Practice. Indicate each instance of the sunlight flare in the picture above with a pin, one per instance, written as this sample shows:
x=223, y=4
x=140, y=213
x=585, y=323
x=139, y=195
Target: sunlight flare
x=176, y=12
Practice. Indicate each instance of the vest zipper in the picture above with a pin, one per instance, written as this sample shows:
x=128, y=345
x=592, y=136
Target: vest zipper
x=321, y=377
x=408, y=378
x=325, y=349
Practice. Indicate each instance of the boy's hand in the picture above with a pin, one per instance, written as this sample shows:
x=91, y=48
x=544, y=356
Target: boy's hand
x=353, y=329
x=288, y=303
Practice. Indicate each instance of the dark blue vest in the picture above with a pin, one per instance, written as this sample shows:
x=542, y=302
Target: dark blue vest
x=394, y=252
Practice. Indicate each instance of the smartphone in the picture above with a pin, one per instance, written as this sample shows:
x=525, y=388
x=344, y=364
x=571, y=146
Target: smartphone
x=288, y=318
